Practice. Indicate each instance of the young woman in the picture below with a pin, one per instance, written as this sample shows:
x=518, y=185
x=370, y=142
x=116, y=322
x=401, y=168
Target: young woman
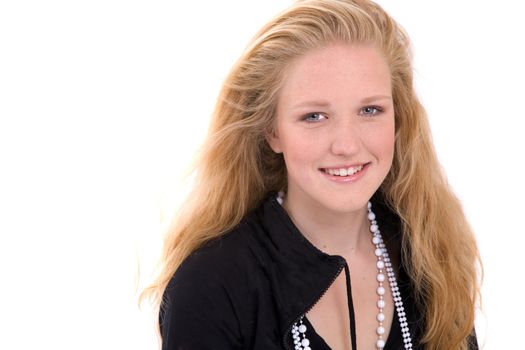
x=320, y=218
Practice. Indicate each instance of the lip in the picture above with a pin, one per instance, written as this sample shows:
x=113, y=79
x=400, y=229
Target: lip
x=346, y=179
x=346, y=166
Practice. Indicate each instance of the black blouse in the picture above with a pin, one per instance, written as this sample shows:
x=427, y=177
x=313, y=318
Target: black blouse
x=245, y=289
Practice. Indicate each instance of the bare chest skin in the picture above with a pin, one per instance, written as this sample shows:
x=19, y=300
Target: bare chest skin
x=330, y=316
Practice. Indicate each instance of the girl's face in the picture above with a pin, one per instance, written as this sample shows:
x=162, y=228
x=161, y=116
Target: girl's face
x=335, y=127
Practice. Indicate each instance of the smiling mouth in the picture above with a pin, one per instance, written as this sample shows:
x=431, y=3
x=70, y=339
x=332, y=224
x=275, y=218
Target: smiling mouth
x=342, y=172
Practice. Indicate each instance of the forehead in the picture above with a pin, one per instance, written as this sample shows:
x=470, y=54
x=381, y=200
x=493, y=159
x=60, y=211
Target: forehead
x=337, y=71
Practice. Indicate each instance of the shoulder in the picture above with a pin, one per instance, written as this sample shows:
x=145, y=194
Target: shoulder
x=224, y=259
x=212, y=291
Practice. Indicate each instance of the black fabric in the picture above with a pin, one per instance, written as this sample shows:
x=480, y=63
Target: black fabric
x=245, y=289
x=351, y=312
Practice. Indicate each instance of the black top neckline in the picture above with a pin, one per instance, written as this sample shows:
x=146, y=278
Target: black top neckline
x=332, y=265
x=246, y=288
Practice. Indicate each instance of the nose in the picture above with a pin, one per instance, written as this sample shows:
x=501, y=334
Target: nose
x=346, y=137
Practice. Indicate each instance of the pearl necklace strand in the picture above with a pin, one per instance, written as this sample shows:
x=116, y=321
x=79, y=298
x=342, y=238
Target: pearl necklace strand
x=299, y=329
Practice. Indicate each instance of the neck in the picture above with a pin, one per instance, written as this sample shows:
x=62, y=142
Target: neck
x=343, y=234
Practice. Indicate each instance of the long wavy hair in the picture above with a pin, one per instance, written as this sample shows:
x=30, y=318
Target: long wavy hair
x=236, y=167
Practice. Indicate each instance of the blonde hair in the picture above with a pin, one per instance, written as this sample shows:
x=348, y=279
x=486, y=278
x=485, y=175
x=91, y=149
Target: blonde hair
x=236, y=168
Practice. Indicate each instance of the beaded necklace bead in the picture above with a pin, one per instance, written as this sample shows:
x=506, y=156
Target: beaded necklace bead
x=301, y=342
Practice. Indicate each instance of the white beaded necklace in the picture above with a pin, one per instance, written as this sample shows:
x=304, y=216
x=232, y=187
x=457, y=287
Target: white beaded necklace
x=301, y=342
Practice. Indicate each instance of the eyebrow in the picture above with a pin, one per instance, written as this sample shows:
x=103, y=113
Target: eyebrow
x=312, y=104
x=376, y=98
x=324, y=104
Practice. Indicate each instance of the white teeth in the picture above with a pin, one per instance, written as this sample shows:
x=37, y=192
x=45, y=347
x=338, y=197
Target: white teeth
x=344, y=171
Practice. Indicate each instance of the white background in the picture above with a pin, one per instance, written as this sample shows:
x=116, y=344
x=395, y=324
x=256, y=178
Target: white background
x=103, y=104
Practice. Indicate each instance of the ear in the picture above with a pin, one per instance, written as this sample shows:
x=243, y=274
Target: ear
x=273, y=140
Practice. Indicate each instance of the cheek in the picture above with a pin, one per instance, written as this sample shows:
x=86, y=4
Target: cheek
x=380, y=141
x=296, y=149
x=301, y=153
x=385, y=143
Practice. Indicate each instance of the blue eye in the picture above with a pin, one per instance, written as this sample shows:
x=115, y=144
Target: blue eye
x=314, y=117
x=371, y=110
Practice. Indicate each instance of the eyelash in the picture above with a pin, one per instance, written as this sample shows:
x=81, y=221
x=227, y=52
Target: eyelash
x=376, y=109
x=305, y=118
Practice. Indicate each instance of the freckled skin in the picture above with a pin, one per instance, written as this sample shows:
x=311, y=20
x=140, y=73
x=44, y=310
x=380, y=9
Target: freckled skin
x=342, y=76
x=338, y=130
